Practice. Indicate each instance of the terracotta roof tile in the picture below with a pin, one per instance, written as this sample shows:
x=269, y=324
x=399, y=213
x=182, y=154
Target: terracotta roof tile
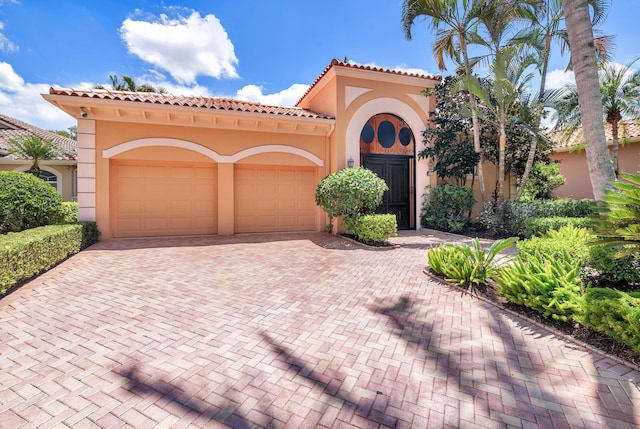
x=11, y=128
x=629, y=129
x=339, y=63
x=189, y=101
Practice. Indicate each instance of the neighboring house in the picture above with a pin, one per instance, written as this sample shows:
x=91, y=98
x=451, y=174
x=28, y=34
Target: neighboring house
x=158, y=164
x=573, y=162
x=59, y=172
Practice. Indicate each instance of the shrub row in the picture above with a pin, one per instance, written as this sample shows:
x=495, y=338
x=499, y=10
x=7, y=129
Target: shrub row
x=27, y=253
x=546, y=276
x=510, y=218
x=537, y=226
x=447, y=207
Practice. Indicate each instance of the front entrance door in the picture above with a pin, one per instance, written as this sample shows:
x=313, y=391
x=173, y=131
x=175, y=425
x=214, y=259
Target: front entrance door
x=395, y=171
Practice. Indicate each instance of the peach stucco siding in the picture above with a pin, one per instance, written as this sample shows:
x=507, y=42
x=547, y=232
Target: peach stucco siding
x=574, y=168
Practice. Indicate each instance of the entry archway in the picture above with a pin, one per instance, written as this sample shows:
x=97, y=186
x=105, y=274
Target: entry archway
x=387, y=147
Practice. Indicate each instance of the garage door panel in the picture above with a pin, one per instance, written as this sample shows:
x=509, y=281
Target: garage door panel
x=159, y=199
x=275, y=198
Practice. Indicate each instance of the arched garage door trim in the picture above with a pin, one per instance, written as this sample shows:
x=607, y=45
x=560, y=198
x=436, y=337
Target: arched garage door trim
x=168, y=142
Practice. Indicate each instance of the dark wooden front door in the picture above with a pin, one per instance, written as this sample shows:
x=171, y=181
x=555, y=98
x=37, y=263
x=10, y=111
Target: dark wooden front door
x=395, y=170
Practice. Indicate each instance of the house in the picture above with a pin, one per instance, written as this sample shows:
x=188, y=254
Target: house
x=570, y=152
x=157, y=164
x=59, y=172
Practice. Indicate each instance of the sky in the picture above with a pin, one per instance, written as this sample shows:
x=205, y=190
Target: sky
x=255, y=50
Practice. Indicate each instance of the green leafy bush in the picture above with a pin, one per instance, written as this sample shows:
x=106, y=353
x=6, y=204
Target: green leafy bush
x=618, y=221
x=543, y=180
x=602, y=269
x=614, y=313
x=464, y=265
x=27, y=202
x=445, y=207
x=351, y=191
x=509, y=218
x=27, y=253
x=539, y=225
x=554, y=243
x=373, y=228
x=549, y=285
x=70, y=212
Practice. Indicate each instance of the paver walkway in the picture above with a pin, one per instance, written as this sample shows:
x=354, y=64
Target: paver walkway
x=290, y=330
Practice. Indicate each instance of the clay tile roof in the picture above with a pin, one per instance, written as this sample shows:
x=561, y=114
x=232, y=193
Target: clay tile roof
x=190, y=101
x=628, y=129
x=339, y=63
x=11, y=128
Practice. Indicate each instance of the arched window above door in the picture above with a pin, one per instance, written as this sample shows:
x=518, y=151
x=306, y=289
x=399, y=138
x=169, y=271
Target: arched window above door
x=385, y=133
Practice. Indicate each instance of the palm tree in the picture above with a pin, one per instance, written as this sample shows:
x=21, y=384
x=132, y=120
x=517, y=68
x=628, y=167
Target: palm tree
x=454, y=22
x=501, y=94
x=35, y=149
x=128, y=84
x=547, y=28
x=583, y=54
x=620, y=95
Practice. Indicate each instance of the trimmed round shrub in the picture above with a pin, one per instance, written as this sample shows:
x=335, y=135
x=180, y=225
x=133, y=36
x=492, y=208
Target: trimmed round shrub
x=70, y=210
x=27, y=202
x=351, y=191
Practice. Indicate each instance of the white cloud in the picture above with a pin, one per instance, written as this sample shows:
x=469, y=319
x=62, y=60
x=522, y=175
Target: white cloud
x=185, y=46
x=22, y=100
x=559, y=78
x=287, y=97
x=6, y=44
x=399, y=68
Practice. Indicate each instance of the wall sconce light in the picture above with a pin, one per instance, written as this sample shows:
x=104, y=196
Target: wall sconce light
x=350, y=162
x=430, y=167
x=83, y=112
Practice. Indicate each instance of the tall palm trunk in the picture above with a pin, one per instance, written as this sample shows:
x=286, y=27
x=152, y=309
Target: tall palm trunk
x=533, y=147
x=474, y=123
x=583, y=54
x=614, y=135
x=502, y=144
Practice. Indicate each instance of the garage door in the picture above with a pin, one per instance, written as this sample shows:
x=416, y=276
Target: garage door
x=275, y=199
x=160, y=199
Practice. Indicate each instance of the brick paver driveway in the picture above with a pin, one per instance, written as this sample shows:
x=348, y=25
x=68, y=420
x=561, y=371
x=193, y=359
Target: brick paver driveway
x=293, y=330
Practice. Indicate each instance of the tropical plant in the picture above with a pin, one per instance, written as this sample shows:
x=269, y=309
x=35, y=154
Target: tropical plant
x=551, y=286
x=128, y=84
x=620, y=94
x=351, y=192
x=585, y=63
x=547, y=28
x=467, y=266
x=35, y=149
x=509, y=82
x=454, y=22
x=617, y=223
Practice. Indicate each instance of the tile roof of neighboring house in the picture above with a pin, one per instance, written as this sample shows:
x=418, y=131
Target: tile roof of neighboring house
x=11, y=128
x=339, y=63
x=190, y=101
x=629, y=129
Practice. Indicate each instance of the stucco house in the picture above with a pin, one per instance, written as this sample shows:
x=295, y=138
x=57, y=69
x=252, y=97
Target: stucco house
x=157, y=164
x=59, y=172
x=573, y=161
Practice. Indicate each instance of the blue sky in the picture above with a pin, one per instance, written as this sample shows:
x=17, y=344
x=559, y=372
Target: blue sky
x=267, y=51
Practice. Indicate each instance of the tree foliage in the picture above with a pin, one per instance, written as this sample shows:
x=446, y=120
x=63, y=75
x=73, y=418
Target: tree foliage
x=35, y=149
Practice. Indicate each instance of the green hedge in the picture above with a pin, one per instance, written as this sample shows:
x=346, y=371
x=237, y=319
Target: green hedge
x=373, y=228
x=69, y=212
x=28, y=253
x=614, y=313
x=535, y=226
